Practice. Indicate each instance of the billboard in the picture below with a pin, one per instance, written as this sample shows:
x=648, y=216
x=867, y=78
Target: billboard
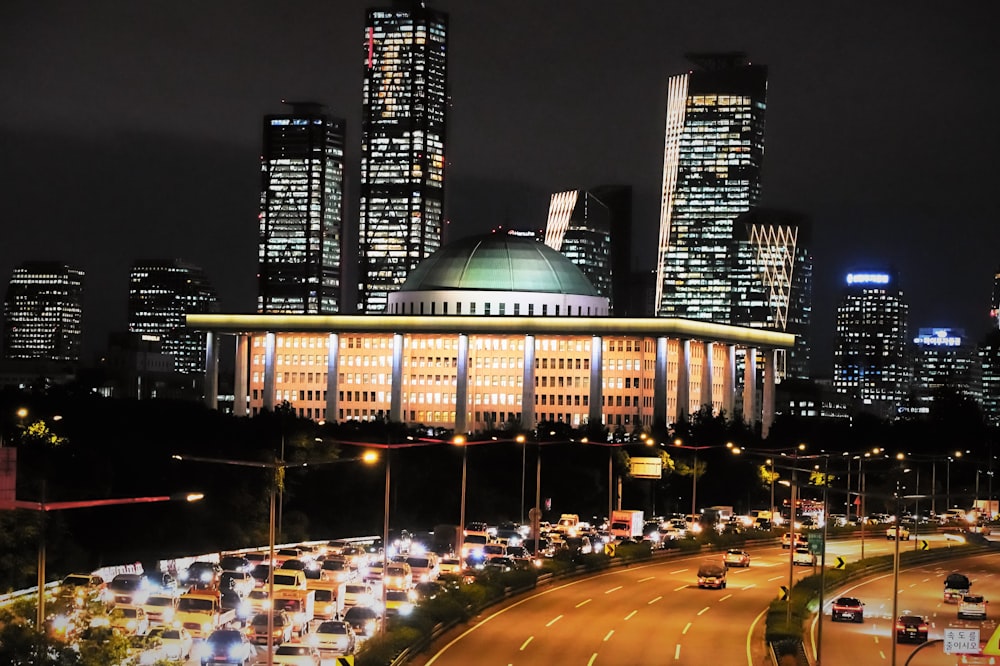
x=646, y=468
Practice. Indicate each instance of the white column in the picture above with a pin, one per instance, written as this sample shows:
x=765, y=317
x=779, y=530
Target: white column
x=767, y=409
x=660, y=383
x=707, y=376
x=729, y=382
x=269, y=363
x=683, y=381
x=595, y=412
x=750, y=386
x=528, y=384
x=332, y=377
x=396, y=388
x=211, y=370
x=462, y=385
x=240, y=379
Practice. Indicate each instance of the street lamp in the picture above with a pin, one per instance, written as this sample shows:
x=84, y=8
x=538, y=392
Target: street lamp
x=277, y=467
x=520, y=439
x=459, y=440
x=958, y=454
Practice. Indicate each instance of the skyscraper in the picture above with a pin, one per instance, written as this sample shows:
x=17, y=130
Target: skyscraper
x=713, y=152
x=405, y=104
x=592, y=228
x=161, y=292
x=301, y=212
x=995, y=301
x=943, y=358
x=43, y=313
x=869, y=351
x=772, y=280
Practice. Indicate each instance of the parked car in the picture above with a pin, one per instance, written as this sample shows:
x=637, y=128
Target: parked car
x=848, y=608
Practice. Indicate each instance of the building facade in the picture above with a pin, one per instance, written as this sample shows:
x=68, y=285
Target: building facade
x=161, y=293
x=301, y=212
x=404, y=120
x=43, y=313
x=869, y=353
x=713, y=154
x=943, y=359
x=593, y=229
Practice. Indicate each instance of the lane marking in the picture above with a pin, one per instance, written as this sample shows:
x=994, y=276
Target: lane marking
x=614, y=589
x=677, y=652
x=702, y=611
x=525, y=643
x=593, y=658
x=643, y=580
x=925, y=580
x=678, y=589
x=881, y=654
x=725, y=597
x=876, y=639
x=629, y=616
x=583, y=603
x=678, y=571
x=653, y=601
x=554, y=620
x=913, y=584
x=775, y=578
x=750, y=634
x=686, y=627
x=747, y=587
x=608, y=635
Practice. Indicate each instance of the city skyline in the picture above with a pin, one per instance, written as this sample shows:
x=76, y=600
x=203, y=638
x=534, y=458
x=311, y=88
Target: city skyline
x=851, y=141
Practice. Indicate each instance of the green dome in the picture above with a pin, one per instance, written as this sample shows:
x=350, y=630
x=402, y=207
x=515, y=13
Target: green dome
x=499, y=263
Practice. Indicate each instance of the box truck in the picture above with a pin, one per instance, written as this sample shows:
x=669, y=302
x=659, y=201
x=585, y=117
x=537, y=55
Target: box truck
x=626, y=524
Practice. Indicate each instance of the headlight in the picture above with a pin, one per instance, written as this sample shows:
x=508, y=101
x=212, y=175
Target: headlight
x=206, y=627
x=370, y=627
x=168, y=614
x=405, y=609
x=206, y=576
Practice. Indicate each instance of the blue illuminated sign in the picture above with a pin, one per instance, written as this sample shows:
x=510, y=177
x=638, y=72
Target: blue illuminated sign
x=939, y=337
x=867, y=278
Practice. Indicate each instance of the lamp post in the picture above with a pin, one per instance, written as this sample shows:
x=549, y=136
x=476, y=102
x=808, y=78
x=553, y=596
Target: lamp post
x=459, y=440
x=277, y=467
x=822, y=556
x=520, y=439
x=770, y=509
x=958, y=454
x=45, y=507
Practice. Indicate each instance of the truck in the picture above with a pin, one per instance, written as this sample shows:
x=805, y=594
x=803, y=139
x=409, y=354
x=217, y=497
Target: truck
x=956, y=586
x=201, y=613
x=329, y=598
x=300, y=606
x=626, y=523
x=568, y=524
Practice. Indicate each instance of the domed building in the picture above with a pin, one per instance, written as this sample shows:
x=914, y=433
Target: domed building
x=492, y=331
x=498, y=275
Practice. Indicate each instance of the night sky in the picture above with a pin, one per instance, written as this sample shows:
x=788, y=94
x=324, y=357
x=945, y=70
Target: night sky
x=133, y=129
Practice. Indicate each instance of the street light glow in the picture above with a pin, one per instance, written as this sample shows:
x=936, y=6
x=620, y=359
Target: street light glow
x=370, y=457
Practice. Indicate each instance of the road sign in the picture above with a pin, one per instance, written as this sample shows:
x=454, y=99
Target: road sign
x=816, y=542
x=346, y=660
x=841, y=563
x=783, y=596
x=924, y=545
x=958, y=640
x=993, y=645
x=609, y=548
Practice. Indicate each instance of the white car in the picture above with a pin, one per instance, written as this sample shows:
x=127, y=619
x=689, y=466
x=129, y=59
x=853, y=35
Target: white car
x=450, y=565
x=129, y=619
x=973, y=607
x=333, y=637
x=358, y=594
x=803, y=555
x=176, y=643
x=160, y=608
x=296, y=654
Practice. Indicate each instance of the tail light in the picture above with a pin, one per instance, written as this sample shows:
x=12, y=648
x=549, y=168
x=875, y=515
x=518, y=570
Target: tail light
x=899, y=626
x=923, y=627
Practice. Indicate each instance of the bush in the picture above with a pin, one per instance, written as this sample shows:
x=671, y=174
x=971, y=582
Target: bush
x=631, y=552
x=381, y=650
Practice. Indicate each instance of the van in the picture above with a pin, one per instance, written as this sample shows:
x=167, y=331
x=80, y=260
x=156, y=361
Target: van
x=398, y=576
x=289, y=579
x=712, y=574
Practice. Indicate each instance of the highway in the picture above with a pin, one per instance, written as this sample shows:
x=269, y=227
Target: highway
x=650, y=613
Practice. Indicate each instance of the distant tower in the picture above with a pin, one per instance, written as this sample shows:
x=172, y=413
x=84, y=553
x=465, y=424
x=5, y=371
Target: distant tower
x=405, y=104
x=161, y=292
x=592, y=228
x=301, y=212
x=43, y=313
x=713, y=153
x=772, y=280
x=943, y=358
x=869, y=353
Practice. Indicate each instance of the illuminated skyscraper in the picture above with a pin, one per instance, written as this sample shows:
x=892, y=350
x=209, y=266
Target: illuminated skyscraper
x=772, y=280
x=301, y=212
x=943, y=358
x=43, y=313
x=592, y=228
x=405, y=103
x=713, y=152
x=995, y=301
x=869, y=352
x=161, y=292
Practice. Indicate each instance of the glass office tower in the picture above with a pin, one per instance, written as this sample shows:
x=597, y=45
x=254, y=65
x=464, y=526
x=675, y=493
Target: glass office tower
x=301, y=212
x=713, y=152
x=43, y=313
x=869, y=352
x=161, y=292
x=592, y=228
x=405, y=103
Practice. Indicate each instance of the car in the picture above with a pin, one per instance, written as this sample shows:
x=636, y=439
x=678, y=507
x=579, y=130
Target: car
x=129, y=619
x=399, y=602
x=145, y=650
x=160, y=608
x=161, y=581
x=235, y=563
x=911, y=629
x=201, y=574
x=282, y=625
x=226, y=646
x=848, y=608
x=287, y=579
x=128, y=589
x=296, y=654
x=81, y=588
x=904, y=534
x=735, y=557
x=338, y=570
x=358, y=594
x=450, y=565
x=240, y=582
x=333, y=637
x=258, y=601
x=972, y=606
x=786, y=539
x=176, y=643
x=804, y=556
x=712, y=574
x=364, y=620
x=325, y=603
